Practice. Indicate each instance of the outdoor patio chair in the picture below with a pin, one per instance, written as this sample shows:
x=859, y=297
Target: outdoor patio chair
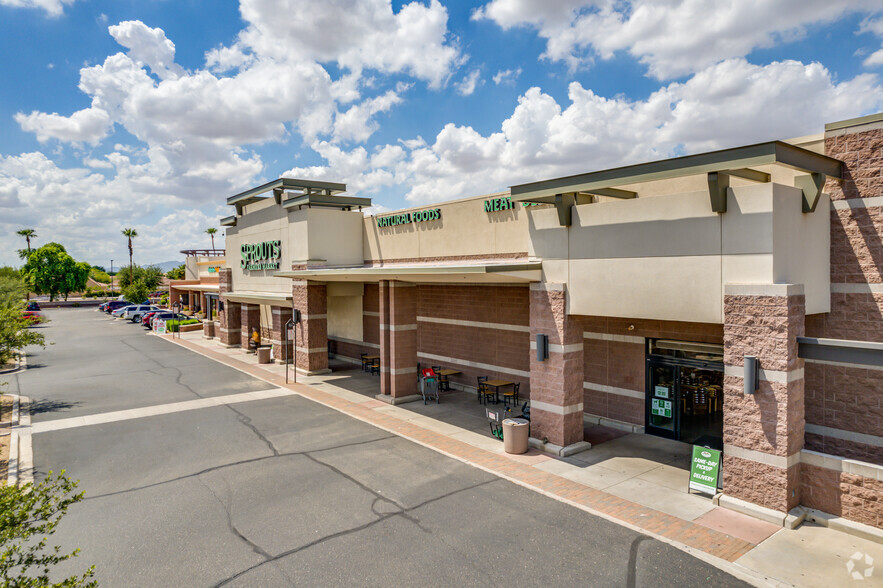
x=481, y=386
x=511, y=394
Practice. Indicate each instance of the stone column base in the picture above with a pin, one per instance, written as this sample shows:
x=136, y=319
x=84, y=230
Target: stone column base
x=553, y=449
x=389, y=399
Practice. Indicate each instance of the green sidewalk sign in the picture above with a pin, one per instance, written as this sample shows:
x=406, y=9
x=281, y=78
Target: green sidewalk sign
x=705, y=469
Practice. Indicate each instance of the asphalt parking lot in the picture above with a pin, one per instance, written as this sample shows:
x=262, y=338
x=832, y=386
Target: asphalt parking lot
x=282, y=491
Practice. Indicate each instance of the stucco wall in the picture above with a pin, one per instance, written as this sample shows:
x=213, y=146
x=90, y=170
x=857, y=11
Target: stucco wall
x=668, y=258
x=464, y=230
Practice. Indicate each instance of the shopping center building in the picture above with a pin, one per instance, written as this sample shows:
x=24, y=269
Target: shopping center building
x=730, y=299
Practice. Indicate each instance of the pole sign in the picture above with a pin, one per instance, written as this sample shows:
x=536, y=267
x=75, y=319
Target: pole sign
x=705, y=469
x=409, y=217
x=260, y=256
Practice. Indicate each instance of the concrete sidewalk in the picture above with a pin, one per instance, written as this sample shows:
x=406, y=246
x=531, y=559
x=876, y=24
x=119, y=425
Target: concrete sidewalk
x=634, y=480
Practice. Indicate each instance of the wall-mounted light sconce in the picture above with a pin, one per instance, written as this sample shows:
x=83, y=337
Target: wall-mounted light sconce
x=752, y=375
x=542, y=347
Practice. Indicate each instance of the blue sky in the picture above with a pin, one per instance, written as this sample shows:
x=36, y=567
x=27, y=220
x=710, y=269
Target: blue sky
x=148, y=113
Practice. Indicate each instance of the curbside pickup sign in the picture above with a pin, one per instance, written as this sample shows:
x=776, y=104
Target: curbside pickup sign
x=705, y=469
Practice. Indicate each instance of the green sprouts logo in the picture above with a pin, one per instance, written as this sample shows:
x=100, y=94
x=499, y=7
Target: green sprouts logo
x=259, y=256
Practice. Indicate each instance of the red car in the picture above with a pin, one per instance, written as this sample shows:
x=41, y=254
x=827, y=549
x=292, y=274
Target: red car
x=145, y=320
x=32, y=316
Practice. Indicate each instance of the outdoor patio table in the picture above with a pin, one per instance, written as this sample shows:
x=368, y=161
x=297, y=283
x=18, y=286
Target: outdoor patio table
x=444, y=375
x=496, y=385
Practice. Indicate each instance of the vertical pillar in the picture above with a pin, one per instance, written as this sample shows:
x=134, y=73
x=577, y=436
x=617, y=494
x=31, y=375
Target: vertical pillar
x=310, y=298
x=174, y=296
x=556, y=383
x=281, y=316
x=229, y=317
x=231, y=324
x=251, y=319
x=763, y=432
x=398, y=346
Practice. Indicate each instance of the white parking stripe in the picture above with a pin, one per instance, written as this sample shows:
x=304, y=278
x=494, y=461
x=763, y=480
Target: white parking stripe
x=148, y=411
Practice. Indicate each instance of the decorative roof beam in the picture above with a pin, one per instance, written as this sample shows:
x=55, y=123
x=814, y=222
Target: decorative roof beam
x=284, y=184
x=613, y=193
x=228, y=221
x=811, y=185
x=727, y=160
x=718, y=183
x=749, y=174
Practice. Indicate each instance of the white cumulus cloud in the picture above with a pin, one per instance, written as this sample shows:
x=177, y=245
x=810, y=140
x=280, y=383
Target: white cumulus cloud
x=52, y=7
x=672, y=38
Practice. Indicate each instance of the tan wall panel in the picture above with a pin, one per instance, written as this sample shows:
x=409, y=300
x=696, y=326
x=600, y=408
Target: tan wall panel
x=335, y=236
x=802, y=245
x=345, y=317
x=667, y=288
x=465, y=229
x=262, y=221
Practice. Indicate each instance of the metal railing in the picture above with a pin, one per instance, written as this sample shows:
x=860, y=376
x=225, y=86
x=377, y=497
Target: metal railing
x=204, y=252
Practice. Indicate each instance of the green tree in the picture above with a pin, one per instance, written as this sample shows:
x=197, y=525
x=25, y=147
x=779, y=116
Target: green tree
x=136, y=292
x=130, y=234
x=48, y=271
x=151, y=276
x=211, y=233
x=29, y=514
x=77, y=278
x=177, y=273
x=14, y=332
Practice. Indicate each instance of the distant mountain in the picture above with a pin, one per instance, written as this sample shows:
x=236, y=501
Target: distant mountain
x=167, y=265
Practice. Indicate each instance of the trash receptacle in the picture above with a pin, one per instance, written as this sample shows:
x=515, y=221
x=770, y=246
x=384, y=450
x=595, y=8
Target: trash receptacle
x=515, y=433
x=264, y=354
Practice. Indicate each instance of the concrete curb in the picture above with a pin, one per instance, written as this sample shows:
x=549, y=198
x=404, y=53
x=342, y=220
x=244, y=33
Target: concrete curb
x=836, y=523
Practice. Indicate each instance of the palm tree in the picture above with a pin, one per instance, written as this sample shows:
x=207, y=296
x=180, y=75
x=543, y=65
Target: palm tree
x=130, y=234
x=211, y=232
x=27, y=234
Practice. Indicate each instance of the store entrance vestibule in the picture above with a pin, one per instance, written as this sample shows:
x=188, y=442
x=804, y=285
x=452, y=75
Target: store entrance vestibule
x=685, y=392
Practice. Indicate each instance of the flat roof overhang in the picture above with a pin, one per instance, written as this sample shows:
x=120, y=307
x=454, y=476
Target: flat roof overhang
x=196, y=287
x=737, y=161
x=327, y=201
x=258, y=298
x=283, y=184
x=507, y=273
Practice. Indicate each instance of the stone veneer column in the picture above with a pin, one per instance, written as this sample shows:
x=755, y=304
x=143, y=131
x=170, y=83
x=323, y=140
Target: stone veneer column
x=281, y=316
x=398, y=342
x=310, y=298
x=556, y=384
x=251, y=319
x=230, y=318
x=763, y=432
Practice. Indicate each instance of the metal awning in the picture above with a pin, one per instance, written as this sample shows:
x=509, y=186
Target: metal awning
x=274, y=298
x=195, y=287
x=719, y=165
x=284, y=184
x=499, y=273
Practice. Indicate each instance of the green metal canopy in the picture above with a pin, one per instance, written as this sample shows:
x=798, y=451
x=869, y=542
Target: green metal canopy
x=719, y=165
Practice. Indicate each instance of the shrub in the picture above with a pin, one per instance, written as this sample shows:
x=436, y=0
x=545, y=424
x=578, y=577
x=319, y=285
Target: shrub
x=29, y=514
x=172, y=326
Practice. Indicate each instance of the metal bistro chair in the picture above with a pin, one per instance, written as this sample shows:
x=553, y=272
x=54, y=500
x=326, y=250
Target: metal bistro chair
x=365, y=362
x=443, y=384
x=511, y=394
x=481, y=386
x=374, y=367
x=486, y=393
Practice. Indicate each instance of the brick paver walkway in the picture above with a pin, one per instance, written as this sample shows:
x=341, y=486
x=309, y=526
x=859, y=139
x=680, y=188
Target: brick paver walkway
x=514, y=468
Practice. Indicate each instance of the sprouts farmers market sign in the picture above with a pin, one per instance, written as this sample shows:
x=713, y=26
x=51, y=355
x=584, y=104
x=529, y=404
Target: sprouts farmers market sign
x=260, y=256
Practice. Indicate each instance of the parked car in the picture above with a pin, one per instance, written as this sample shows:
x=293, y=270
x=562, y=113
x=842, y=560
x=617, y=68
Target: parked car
x=168, y=316
x=111, y=306
x=32, y=305
x=32, y=316
x=134, y=314
x=145, y=320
